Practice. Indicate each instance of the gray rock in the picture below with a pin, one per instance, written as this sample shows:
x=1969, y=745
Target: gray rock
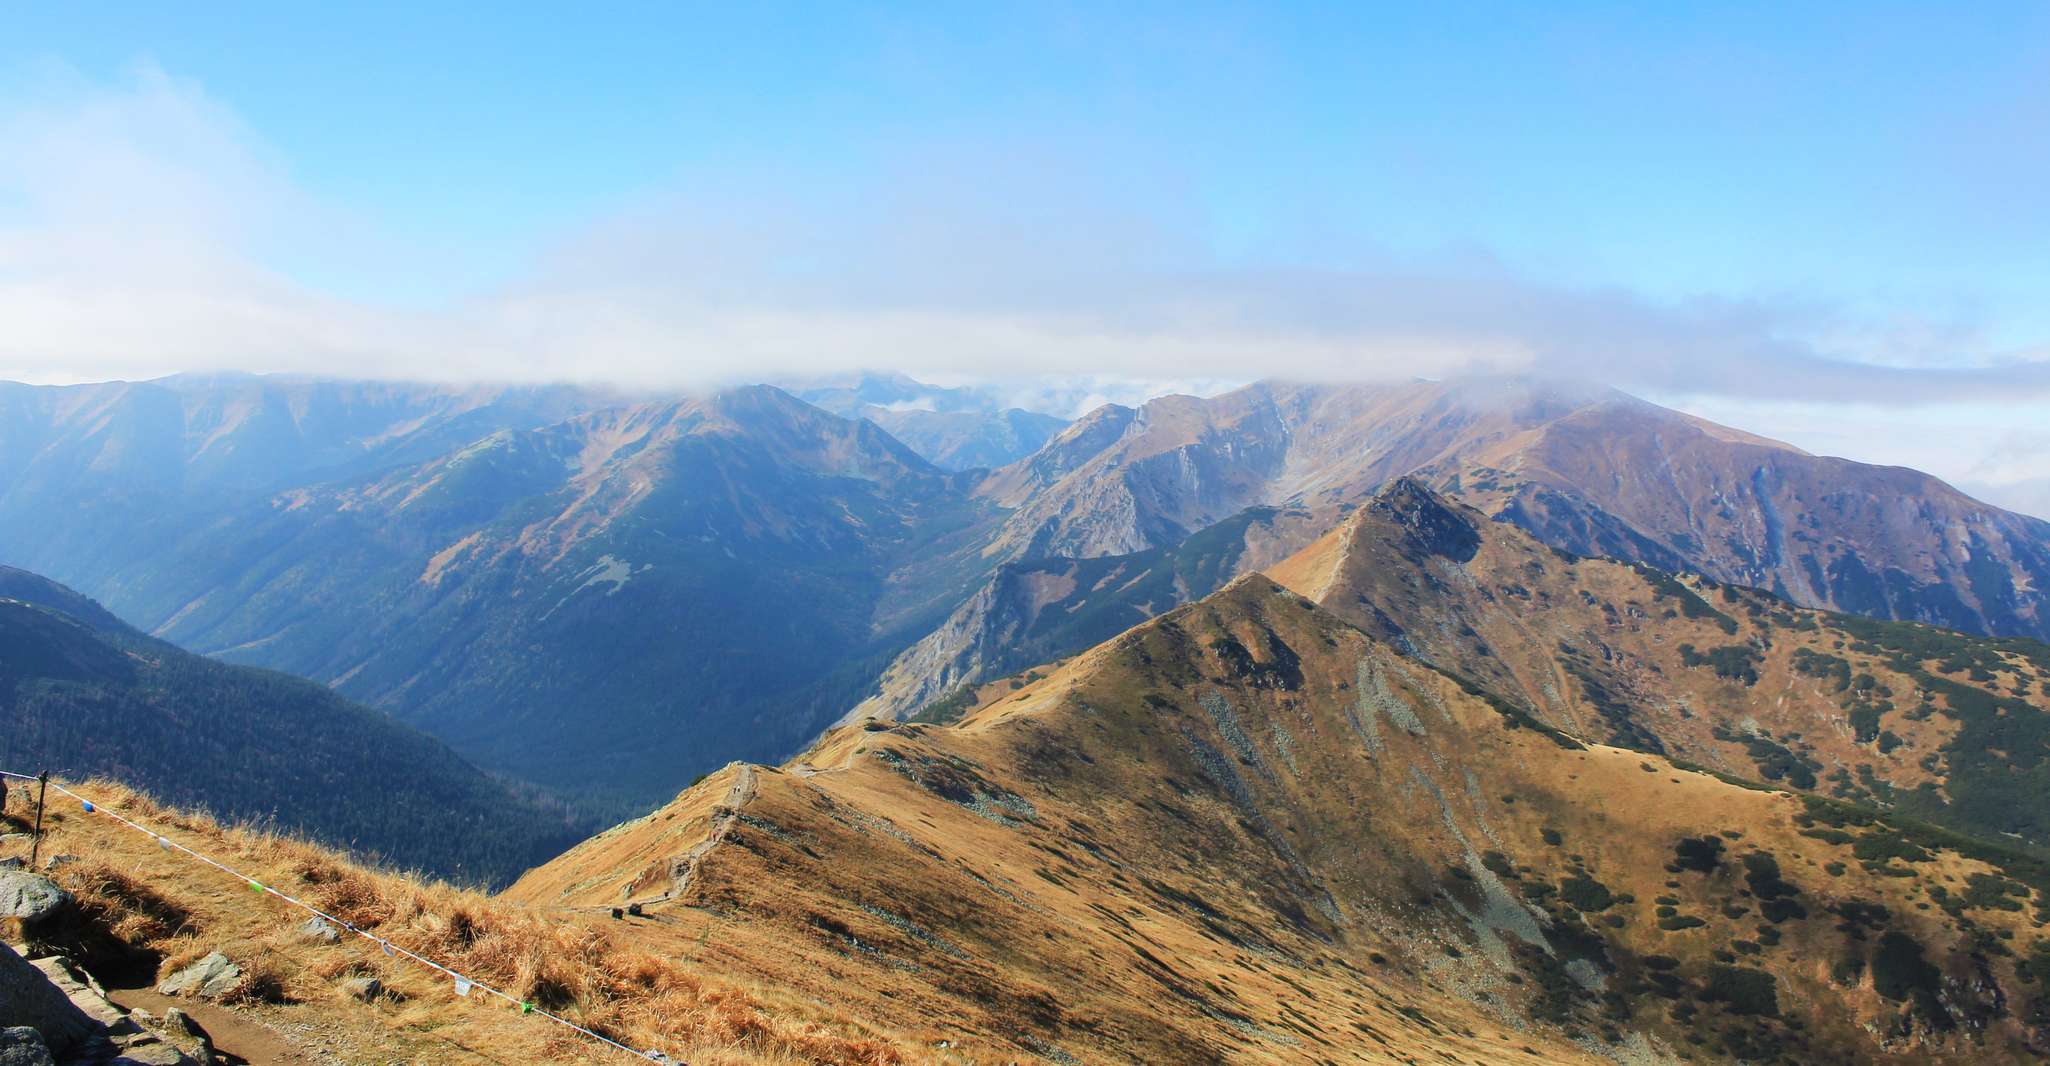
x=13, y=862
x=30, y=897
x=209, y=977
x=84, y=993
x=27, y=998
x=73, y=1018
x=55, y=861
x=154, y=1053
x=184, y=1033
x=363, y=988
x=320, y=931
x=23, y=1046
x=157, y=1053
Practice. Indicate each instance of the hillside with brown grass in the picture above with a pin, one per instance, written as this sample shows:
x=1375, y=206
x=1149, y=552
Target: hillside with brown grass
x=143, y=912
x=1884, y=714
x=1248, y=832
x=1439, y=794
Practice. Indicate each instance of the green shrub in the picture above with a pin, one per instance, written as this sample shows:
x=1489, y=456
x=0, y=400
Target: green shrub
x=1901, y=973
x=1734, y=662
x=1742, y=990
x=1586, y=894
x=1702, y=854
x=947, y=709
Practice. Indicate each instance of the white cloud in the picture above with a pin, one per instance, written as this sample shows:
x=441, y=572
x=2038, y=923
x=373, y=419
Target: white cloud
x=141, y=225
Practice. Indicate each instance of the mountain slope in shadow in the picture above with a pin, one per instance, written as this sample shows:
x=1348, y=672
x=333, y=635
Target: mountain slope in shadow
x=83, y=694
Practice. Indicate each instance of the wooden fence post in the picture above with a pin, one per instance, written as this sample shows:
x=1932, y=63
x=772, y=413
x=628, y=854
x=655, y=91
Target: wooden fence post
x=35, y=844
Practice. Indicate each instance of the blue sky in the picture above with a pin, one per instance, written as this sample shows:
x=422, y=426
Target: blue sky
x=1852, y=151
x=1681, y=199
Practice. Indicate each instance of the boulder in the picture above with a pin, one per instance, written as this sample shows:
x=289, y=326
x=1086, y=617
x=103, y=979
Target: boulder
x=23, y=1046
x=208, y=978
x=30, y=897
x=27, y=998
x=153, y=1053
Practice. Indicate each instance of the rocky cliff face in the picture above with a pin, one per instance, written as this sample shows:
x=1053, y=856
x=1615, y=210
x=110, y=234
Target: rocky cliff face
x=965, y=440
x=952, y=428
x=1123, y=480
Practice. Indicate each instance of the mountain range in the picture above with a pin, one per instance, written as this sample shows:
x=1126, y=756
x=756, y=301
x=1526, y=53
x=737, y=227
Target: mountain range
x=1485, y=722
x=1591, y=471
x=531, y=573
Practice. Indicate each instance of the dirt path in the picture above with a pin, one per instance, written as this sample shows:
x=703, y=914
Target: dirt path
x=738, y=796
x=237, y=1039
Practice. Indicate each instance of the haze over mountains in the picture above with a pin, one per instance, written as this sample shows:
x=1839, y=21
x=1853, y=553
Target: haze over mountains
x=532, y=573
x=955, y=428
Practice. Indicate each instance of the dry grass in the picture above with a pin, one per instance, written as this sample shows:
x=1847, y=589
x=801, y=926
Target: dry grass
x=179, y=910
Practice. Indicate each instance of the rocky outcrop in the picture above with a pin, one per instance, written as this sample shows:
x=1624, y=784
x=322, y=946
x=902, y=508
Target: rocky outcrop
x=73, y=1023
x=27, y=998
x=23, y=1046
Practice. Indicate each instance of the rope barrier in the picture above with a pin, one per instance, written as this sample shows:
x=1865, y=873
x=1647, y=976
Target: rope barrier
x=464, y=984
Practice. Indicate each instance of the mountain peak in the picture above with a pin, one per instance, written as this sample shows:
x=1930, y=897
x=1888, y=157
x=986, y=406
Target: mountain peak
x=1434, y=525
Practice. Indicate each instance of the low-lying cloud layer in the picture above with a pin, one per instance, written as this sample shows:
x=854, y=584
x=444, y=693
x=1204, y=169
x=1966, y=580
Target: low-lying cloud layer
x=144, y=230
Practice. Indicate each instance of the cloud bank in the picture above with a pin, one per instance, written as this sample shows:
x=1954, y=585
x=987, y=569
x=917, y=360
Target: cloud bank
x=143, y=228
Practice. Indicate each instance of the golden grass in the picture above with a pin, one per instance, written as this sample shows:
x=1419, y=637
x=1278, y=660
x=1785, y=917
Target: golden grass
x=179, y=909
